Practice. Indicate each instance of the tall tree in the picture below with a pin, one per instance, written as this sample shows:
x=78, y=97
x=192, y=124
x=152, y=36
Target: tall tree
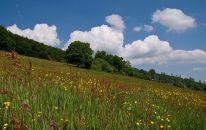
x=80, y=54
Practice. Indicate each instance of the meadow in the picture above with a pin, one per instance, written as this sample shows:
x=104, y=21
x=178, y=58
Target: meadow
x=37, y=94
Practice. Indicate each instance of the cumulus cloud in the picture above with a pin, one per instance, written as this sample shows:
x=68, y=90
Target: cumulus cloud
x=199, y=69
x=192, y=56
x=149, y=47
x=149, y=50
x=147, y=28
x=41, y=32
x=115, y=21
x=173, y=19
x=100, y=38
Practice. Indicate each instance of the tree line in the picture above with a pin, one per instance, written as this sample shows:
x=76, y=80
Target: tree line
x=82, y=55
x=28, y=47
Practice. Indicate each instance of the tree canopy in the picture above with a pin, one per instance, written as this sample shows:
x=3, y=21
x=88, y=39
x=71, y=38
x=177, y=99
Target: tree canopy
x=28, y=47
x=79, y=53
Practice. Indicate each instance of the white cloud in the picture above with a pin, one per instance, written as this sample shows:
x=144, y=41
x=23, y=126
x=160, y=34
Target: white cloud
x=100, y=38
x=173, y=19
x=137, y=28
x=149, y=47
x=150, y=50
x=147, y=28
x=192, y=56
x=115, y=21
x=199, y=69
x=41, y=33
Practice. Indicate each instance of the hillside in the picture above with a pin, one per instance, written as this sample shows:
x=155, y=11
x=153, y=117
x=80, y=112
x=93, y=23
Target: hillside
x=101, y=61
x=41, y=94
x=28, y=47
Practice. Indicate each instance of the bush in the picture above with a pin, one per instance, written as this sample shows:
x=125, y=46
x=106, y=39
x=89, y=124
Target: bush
x=102, y=65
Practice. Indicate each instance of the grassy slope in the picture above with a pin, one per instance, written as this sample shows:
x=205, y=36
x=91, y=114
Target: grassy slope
x=46, y=93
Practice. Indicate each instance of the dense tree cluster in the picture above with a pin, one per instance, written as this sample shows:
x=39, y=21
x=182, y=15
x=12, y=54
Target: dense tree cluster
x=81, y=54
x=28, y=47
x=115, y=64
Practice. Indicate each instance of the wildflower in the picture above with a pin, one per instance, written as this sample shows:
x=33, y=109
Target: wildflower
x=5, y=126
x=7, y=104
x=168, y=120
x=39, y=114
x=65, y=88
x=137, y=123
x=161, y=126
x=152, y=122
x=168, y=126
x=56, y=108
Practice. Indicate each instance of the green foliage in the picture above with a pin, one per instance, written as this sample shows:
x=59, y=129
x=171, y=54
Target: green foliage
x=102, y=65
x=79, y=53
x=152, y=74
x=28, y=47
x=117, y=62
x=124, y=68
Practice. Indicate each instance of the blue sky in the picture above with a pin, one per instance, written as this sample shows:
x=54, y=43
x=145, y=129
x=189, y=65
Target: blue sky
x=69, y=16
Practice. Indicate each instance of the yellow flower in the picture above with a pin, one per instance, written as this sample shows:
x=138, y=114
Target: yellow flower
x=168, y=120
x=56, y=108
x=137, y=123
x=7, y=104
x=152, y=122
x=5, y=126
x=161, y=126
x=168, y=126
x=39, y=114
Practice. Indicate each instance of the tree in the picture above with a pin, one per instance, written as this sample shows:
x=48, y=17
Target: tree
x=152, y=74
x=80, y=54
x=28, y=47
x=101, y=54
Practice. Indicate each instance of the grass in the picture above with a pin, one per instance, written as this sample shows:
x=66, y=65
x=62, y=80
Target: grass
x=39, y=95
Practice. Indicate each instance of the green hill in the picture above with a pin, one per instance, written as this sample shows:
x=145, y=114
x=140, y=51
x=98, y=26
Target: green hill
x=102, y=61
x=40, y=94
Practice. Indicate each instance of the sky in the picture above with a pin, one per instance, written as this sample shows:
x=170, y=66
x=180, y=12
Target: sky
x=166, y=35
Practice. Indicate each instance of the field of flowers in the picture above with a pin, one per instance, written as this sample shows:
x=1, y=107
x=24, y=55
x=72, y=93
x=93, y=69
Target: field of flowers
x=44, y=95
